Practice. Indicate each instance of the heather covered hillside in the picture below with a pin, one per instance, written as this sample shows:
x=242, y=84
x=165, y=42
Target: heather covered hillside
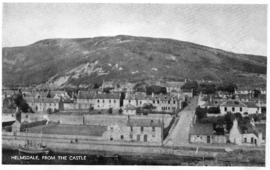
x=72, y=62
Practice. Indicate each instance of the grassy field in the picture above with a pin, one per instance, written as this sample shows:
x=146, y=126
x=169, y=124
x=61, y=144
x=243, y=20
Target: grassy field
x=88, y=130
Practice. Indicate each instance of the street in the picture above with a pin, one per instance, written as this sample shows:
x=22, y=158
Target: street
x=179, y=136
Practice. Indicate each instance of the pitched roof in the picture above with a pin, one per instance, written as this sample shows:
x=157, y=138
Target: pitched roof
x=143, y=96
x=144, y=123
x=251, y=104
x=41, y=100
x=108, y=96
x=95, y=95
x=233, y=103
x=202, y=129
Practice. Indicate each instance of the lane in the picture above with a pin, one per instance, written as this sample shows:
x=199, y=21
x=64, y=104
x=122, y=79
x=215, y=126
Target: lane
x=180, y=134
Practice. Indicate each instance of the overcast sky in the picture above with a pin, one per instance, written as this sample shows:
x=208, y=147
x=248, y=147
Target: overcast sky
x=237, y=28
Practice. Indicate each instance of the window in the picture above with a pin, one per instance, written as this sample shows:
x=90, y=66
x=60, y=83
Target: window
x=103, y=101
x=145, y=138
x=245, y=140
x=141, y=128
x=98, y=101
x=114, y=101
x=169, y=101
x=129, y=101
x=131, y=128
x=122, y=137
x=153, y=129
x=240, y=109
x=138, y=137
x=233, y=109
x=225, y=108
x=251, y=140
x=153, y=101
x=174, y=102
x=109, y=101
x=158, y=101
x=130, y=136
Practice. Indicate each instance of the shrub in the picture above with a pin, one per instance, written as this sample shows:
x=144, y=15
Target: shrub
x=120, y=111
x=110, y=110
x=201, y=113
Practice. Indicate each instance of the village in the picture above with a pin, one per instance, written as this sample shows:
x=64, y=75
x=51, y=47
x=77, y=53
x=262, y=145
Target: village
x=137, y=114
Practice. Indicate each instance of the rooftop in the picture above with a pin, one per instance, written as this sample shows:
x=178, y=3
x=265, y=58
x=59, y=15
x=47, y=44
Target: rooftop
x=202, y=129
x=144, y=123
x=233, y=103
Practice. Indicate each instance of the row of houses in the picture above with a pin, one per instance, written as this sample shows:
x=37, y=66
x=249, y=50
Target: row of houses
x=246, y=106
x=103, y=101
x=205, y=134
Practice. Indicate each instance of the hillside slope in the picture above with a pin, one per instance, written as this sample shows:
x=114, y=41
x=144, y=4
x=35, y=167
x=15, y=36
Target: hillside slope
x=70, y=62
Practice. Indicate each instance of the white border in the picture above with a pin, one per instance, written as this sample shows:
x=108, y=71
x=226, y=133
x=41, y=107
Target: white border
x=143, y=1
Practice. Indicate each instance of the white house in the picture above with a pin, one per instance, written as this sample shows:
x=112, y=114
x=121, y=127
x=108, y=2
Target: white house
x=136, y=130
x=44, y=104
x=162, y=103
x=250, y=136
x=236, y=106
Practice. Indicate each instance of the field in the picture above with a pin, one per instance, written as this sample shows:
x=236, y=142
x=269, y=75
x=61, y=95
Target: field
x=87, y=130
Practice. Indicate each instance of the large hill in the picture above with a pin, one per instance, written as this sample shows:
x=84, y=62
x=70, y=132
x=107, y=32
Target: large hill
x=84, y=61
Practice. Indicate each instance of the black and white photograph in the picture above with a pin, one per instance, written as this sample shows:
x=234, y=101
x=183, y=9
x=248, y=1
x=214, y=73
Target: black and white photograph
x=167, y=84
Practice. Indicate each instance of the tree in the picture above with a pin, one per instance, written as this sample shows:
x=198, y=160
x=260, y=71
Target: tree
x=148, y=106
x=120, y=111
x=229, y=121
x=228, y=87
x=213, y=110
x=107, y=89
x=49, y=111
x=20, y=102
x=190, y=85
x=110, y=110
x=208, y=88
x=201, y=113
x=155, y=89
x=238, y=116
x=256, y=93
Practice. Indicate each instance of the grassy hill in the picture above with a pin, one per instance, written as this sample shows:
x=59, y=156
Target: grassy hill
x=84, y=61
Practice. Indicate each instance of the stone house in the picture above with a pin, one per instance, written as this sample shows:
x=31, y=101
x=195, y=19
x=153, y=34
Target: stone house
x=249, y=136
x=204, y=133
x=162, y=103
x=44, y=104
x=136, y=130
x=106, y=101
x=236, y=106
x=85, y=100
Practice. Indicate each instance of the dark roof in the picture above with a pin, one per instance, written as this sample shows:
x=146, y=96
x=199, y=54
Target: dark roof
x=107, y=96
x=202, y=129
x=251, y=104
x=94, y=95
x=41, y=100
x=248, y=129
x=144, y=123
x=84, y=95
x=233, y=103
x=161, y=97
x=261, y=128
